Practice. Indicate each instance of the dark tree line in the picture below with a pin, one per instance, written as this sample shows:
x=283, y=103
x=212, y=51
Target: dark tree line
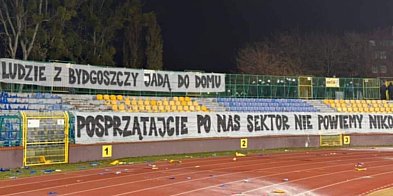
x=99, y=32
x=317, y=54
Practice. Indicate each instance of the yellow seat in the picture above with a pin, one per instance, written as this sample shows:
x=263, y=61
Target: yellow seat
x=185, y=108
x=371, y=110
x=141, y=108
x=146, y=102
x=357, y=101
x=154, y=108
x=361, y=110
x=181, y=98
x=378, y=101
x=113, y=102
x=349, y=110
x=127, y=102
x=192, y=108
x=339, y=109
x=347, y=101
x=113, y=97
x=148, y=108
x=189, y=103
x=382, y=109
x=180, y=108
x=195, y=103
x=175, y=98
x=177, y=103
x=168, y=108
x=388, y=110
x=355, y=109
x=159, y=102
x=173, y=108
x=115, y=108
x=153, y=102
x=366, y=109
x=134, y=102
x=171, y=103
x=345, y=109
x=140, y=102
x=106, y=97
x=333, y=105
x=187, y=99
x=363, y=101
x=99, y=97
x=165, y=102
x=161, y=108
x=119, y=97
x=122, y=107
x=368, y=101
x=377, y=109
x=204, y=109
x=198, y=108
x=183, y=103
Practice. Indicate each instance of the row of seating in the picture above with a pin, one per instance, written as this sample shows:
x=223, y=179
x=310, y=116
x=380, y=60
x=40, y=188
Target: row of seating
x=147, y=104
x=261, y=104
x=373, y=106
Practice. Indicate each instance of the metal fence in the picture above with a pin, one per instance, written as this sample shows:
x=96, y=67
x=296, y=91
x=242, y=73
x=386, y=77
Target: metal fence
x=251, y=86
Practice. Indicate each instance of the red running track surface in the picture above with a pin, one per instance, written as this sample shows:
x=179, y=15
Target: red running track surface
x=302, y=173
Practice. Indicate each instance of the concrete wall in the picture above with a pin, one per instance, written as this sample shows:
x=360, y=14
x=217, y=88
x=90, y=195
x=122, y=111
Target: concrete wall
x=12, y=157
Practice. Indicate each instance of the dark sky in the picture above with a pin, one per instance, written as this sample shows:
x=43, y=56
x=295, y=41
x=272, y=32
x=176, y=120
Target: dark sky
x=205, y=34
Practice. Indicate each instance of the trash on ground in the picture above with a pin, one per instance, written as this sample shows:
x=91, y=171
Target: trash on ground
x=278, y=191
x=285, y=179
x=4, y=169
x=118, y=172
x=172, y=178
x=58, y=170
x=116, y=162
x=197, y=166
x=361, y=169
x=234, y=159
x=238, y=154
x=175, y=161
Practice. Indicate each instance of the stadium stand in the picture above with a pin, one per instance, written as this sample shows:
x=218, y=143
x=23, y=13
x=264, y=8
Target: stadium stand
x=368, y=106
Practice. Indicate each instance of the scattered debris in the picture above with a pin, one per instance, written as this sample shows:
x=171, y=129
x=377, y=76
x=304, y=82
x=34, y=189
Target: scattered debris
x=223, y=185
x=361, y=169
x=234, y=159
x=238, y=154
x=246, y=180
x=4, y=169
x=285, y=179
x=12, y=177
x=188, y=156
x=197, y=166
x=52, y=193
x=172, y=178
x=175, y=161
x=188, y=178
x=279, y=191
x=94, y=164
x=48, y=171
x=58, y=170
x=118, y=172
x=116, y=162
x=78, y=180
x=286, y=150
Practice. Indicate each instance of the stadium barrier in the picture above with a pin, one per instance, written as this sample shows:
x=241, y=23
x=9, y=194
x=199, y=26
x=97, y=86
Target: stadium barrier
x=45, y=138
x=10, y=130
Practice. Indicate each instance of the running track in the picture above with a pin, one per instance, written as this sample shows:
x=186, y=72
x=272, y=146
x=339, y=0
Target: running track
x=303, y=173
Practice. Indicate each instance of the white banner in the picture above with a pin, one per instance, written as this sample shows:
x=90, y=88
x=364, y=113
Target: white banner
x=107, y=78
x=132, y=127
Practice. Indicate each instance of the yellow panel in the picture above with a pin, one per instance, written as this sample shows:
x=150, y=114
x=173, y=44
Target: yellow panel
x=243, y=143
x=106, y=151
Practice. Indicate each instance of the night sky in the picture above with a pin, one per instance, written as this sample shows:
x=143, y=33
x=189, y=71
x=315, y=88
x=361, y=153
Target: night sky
x=205, y=34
